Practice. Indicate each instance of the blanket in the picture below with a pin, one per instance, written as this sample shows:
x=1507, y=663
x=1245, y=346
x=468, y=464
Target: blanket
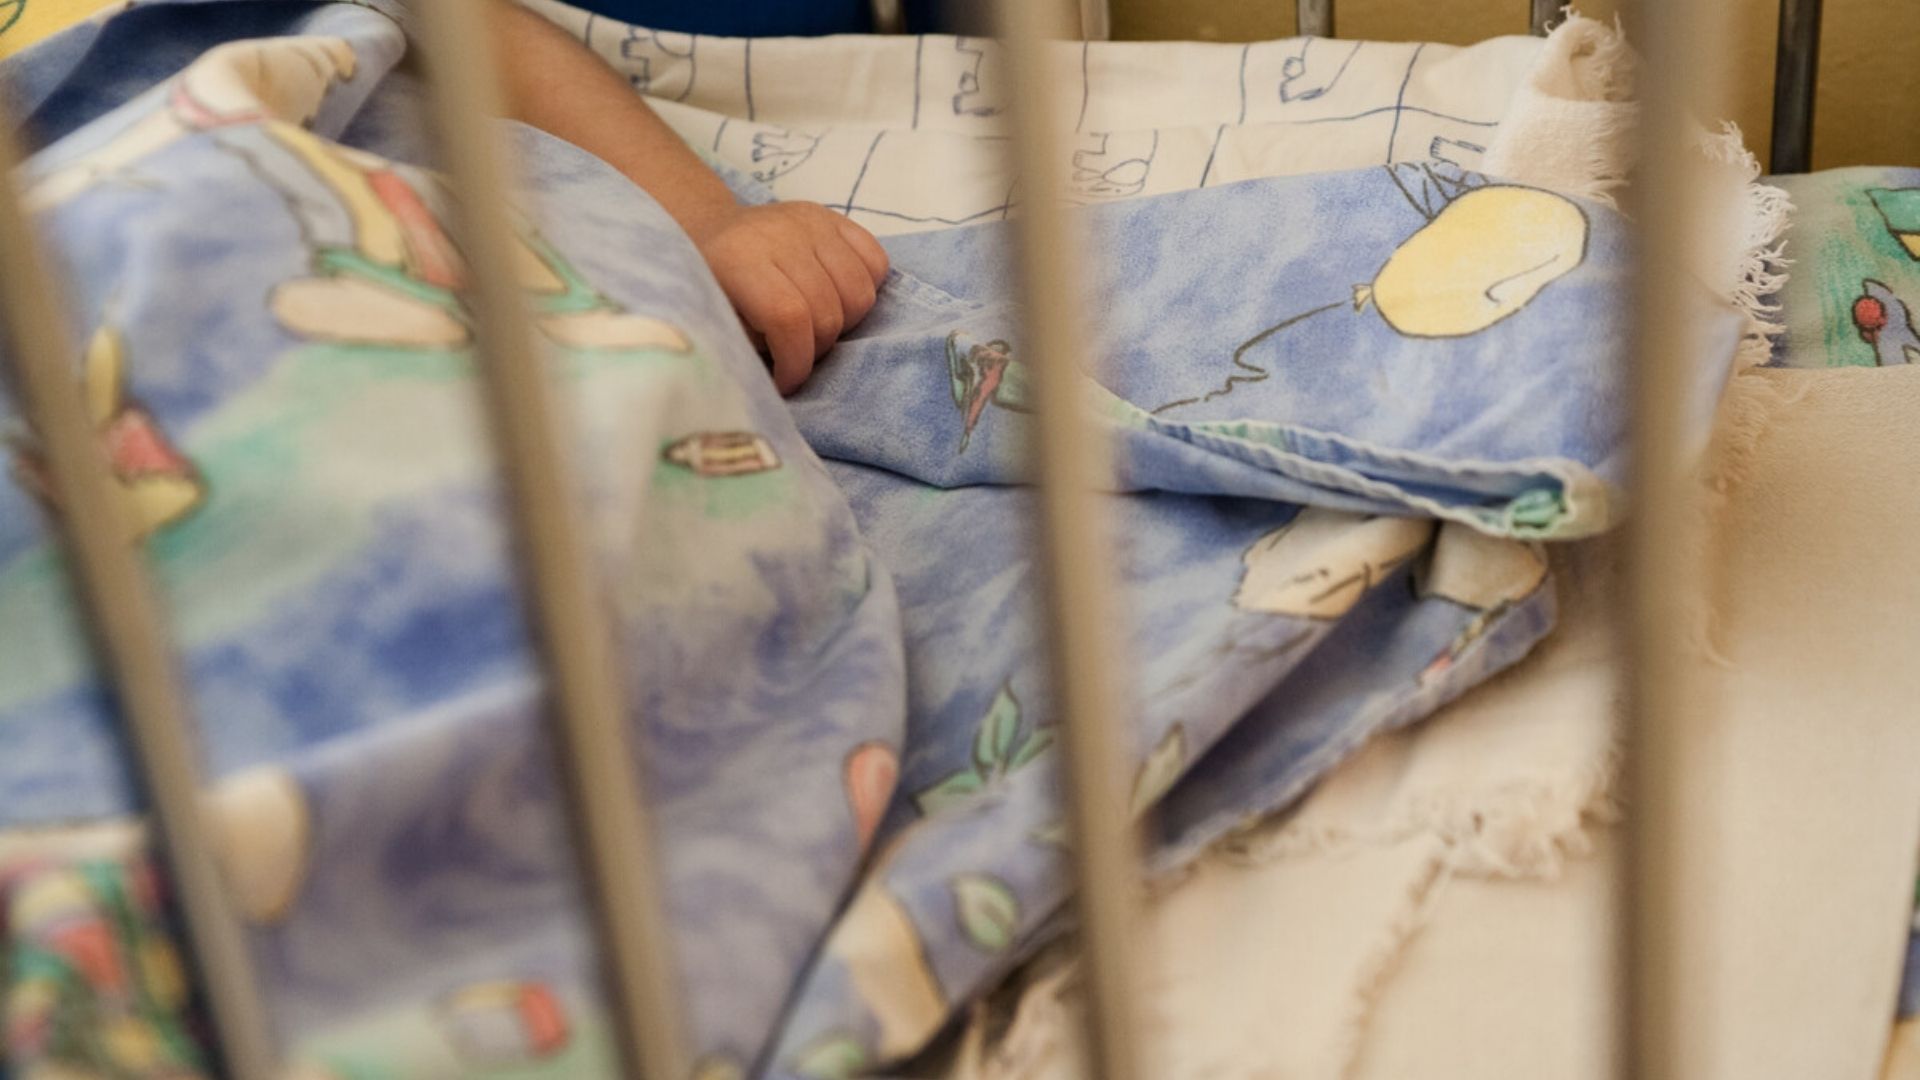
x=1856, y=243
x=1330, y=481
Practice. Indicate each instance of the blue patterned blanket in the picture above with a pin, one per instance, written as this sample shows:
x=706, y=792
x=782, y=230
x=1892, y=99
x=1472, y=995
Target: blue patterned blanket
x=1345, y=409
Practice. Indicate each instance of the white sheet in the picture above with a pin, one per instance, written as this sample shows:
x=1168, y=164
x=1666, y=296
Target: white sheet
x=903, y=133
x=1814, y=797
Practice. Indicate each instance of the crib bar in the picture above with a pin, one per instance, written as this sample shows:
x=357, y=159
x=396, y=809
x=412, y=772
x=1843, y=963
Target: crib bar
x=587, y=714
x=1661, y=1011
x=1074, y=553
x=889, y=16
x=1314, y=17
x=1795, y=71
x=1542, y=14
x=128, y=636
x=1096, y=20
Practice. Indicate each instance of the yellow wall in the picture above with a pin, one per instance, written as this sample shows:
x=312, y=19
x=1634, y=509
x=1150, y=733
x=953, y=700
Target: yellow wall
x=1867, y=113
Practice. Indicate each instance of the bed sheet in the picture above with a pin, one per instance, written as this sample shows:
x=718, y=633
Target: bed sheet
x=902, y=134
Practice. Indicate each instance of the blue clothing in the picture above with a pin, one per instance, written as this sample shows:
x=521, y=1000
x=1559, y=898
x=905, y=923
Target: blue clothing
x=742, y=18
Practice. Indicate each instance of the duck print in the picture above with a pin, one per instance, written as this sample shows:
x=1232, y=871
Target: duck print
x=1886, y=323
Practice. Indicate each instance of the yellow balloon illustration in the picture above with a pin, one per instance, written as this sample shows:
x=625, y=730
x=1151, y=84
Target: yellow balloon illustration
x=1478, y=261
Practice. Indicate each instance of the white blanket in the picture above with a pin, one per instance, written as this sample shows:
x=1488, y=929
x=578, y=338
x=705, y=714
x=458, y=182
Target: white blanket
x=1283, y=955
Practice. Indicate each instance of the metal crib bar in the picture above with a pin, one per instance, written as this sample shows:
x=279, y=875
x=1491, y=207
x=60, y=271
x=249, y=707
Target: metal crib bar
x=1542, y=13
x=1669, y=200
x=889, y=16
x=1096, y=20
x=1070, y=460
x=128, y=636
x=1314, y=17
x=1795, y=71
x=587, y=713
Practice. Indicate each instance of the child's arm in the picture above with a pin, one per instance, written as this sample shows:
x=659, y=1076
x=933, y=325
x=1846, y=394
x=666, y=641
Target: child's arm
x=798, y=273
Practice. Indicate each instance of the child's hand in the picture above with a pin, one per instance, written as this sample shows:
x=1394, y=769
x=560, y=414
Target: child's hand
x=799, y=275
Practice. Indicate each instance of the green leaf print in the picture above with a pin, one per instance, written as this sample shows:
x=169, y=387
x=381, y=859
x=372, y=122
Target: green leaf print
x=835, y=1057
x=952, y=791
x=994, y=740
x=988, y=911
x=997, y=751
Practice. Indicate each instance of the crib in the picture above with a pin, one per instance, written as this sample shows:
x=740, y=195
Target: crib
x=605, y=803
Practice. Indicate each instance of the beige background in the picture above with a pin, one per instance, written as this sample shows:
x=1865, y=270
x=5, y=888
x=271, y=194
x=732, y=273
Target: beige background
x=1868, y=111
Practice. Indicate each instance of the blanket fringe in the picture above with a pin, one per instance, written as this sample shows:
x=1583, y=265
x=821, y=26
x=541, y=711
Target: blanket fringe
x=1747, y=412
x=1571, y=126
x=1525, y=830
x=1036, y=1033
x=1761, y=273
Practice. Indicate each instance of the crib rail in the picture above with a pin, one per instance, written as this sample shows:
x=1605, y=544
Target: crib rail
x=1073, y=555
x=1314, y=17
x=1541, y=13
x=1669, y=198
x=587, y=707
x=1795, y=70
